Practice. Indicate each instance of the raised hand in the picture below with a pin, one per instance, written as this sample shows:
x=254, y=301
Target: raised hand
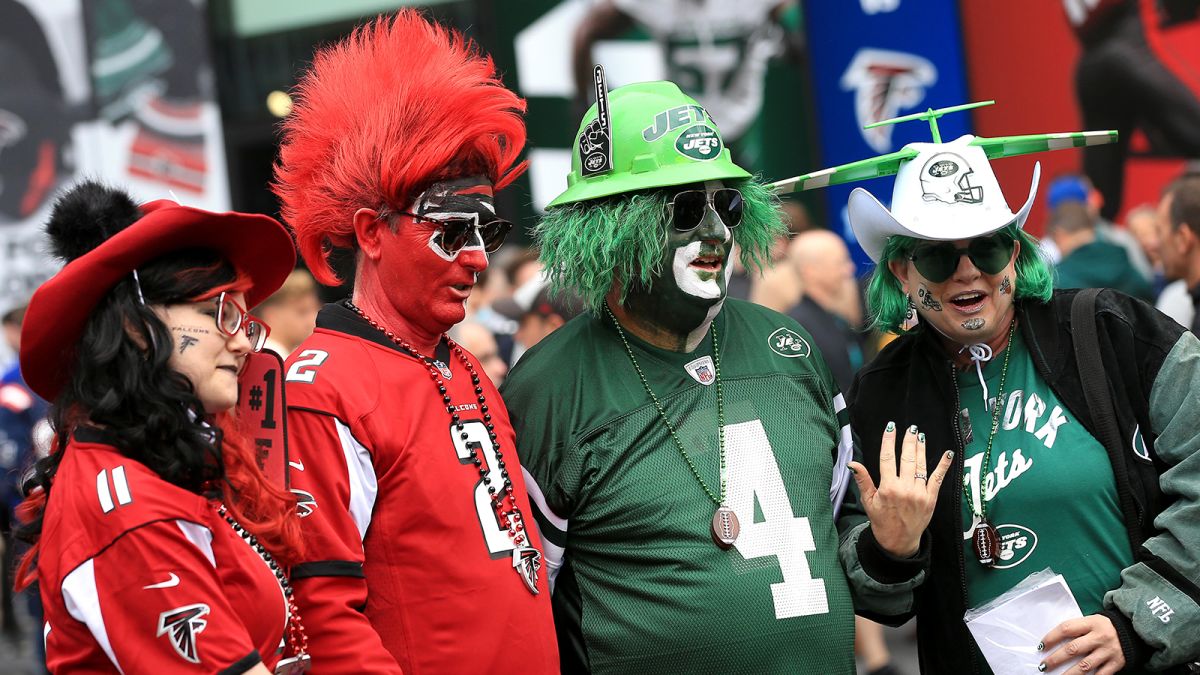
x=900, y=508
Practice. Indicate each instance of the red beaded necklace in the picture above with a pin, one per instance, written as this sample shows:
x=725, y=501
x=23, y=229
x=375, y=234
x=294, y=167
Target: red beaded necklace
x=526, y=560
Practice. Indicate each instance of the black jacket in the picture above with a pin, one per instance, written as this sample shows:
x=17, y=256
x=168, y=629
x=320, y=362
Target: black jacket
x=912, y=382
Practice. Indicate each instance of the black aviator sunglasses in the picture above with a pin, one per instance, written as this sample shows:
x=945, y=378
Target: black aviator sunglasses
x=687, y=208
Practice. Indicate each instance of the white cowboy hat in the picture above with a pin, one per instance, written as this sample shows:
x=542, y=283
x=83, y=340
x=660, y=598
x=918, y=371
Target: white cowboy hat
x=947, y=192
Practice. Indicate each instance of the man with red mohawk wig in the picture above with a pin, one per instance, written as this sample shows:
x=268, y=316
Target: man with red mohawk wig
x=420, y=559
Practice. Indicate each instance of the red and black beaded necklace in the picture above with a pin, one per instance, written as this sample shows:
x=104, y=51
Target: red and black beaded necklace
x=526, y=559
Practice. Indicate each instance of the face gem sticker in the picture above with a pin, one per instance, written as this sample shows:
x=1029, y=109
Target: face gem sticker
x=927, y=300
x=973, y=324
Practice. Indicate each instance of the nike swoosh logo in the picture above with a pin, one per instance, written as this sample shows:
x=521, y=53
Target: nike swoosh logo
x=173, y=581
x=299, y=466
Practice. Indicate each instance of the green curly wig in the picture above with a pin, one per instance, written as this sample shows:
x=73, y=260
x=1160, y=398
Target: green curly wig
x=888, y=306
x=586, y=246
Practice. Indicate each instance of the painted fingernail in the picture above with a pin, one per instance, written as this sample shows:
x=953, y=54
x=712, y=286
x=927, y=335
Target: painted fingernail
x=891, y=426
x=1041, y=667
x=949, y=454
x=852, y=470
x=921, y=437
x=1041, y=646
x=912, y=429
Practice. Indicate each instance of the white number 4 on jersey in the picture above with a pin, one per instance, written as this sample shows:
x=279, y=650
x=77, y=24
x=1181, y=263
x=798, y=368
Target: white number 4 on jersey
x=753, y=471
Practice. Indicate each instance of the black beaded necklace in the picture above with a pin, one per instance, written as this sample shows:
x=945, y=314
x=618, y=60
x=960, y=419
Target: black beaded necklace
x=297, y=639
x=526, y=560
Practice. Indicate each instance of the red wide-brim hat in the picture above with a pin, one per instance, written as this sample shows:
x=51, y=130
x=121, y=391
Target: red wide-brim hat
x=256, y=245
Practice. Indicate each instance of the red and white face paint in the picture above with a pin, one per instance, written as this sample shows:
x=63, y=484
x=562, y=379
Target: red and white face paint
x=426, y=284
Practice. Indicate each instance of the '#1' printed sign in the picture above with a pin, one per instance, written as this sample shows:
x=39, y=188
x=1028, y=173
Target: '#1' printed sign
x=260, y=410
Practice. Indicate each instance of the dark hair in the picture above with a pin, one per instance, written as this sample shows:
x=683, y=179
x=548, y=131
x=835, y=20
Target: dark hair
x=1185, y=202
x=121, y=381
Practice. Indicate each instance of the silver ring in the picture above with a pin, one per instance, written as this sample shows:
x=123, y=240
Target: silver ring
x=920, y=476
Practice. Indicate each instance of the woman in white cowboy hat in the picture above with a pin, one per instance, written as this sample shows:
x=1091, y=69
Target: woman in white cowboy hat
x=155, y=534
x=1032, y=484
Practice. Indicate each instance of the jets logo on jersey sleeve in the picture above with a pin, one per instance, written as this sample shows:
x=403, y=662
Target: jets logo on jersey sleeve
x=182, y=625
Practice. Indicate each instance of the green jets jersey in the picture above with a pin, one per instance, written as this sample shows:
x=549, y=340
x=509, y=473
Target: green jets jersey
x=639, y=585
x=1049, y=488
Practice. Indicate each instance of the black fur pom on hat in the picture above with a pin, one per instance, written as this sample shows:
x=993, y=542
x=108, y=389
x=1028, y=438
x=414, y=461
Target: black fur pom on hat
x=87, y=215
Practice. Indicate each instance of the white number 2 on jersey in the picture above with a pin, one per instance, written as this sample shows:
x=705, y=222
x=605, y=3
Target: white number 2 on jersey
x=753, y=472
x=494, y=536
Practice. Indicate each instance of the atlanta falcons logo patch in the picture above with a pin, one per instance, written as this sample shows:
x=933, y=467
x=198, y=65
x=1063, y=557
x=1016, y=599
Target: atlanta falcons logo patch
x=183, y=625
x=305, y=502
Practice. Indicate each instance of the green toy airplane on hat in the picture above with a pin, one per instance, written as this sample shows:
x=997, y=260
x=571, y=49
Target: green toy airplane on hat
x=889, y=164
x=943, y=191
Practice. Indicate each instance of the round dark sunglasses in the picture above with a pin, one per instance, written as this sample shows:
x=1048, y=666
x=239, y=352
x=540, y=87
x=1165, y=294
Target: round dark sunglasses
x=456, y=233
x=937, y=262
x=687, y=208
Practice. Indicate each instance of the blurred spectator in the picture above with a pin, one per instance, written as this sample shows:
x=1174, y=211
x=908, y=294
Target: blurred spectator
x=291, y=312
x=1142, y=223
x=522, y=268
x=490, y=286
x=1088, y=261
x=826, y=272
x=1173, y=300
x=778, y=287
x=1180, y=239
x=22, y=426
x=546, y=314
x=478, y=340
x=1073, y=188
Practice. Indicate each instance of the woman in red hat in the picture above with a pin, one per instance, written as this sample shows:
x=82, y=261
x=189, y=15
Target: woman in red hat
x=159, y=545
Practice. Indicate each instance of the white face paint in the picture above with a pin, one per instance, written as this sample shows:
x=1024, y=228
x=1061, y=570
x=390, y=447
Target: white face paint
x=693, y=282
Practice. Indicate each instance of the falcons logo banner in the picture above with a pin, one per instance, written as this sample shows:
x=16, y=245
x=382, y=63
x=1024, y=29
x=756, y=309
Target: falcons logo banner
x=182, y=625
x=884, y=84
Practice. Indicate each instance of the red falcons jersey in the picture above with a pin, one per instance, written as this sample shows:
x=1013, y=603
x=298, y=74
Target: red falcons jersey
x=141, y=576
x=407, y=567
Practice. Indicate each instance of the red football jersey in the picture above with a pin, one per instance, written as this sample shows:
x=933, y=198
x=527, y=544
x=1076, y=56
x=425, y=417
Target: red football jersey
x=141, y=576
x=407, y=566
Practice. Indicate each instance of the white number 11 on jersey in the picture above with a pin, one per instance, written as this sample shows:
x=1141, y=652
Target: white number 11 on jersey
x=753, y=471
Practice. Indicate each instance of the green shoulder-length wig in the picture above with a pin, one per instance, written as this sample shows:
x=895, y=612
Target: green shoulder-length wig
x=888, y=306
x=586, y=246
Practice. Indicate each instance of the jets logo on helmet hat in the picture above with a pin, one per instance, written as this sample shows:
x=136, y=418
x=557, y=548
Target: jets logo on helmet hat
x=942, y=181
x=644, y=136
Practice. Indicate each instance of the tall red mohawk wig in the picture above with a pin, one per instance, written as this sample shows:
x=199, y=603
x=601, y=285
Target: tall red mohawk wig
x=399, y=104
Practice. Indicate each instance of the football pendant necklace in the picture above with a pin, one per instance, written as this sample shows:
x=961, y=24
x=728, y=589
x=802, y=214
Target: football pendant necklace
x=297, y=640
x=725, y=527
x=526, y=560
x=984, y=537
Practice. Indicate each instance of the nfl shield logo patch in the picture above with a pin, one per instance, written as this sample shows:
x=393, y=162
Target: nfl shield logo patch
x=702, y=370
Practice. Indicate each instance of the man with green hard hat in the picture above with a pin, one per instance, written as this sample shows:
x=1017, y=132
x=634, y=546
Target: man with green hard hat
x=684, y=452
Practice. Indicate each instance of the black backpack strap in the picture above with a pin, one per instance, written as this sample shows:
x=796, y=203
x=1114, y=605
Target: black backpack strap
x=1094, y=379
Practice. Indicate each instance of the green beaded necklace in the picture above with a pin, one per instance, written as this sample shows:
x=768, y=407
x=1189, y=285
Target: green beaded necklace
x=725, y=526
x=985, y=538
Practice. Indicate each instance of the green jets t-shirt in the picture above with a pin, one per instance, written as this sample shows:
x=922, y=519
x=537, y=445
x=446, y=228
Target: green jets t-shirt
x=1049, y=488
x=642, y=587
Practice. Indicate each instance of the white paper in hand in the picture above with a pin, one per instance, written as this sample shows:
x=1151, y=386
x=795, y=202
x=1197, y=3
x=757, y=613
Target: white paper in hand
x=1008, y=633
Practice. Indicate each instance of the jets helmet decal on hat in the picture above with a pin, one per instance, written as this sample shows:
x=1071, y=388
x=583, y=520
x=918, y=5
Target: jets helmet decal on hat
x=642, y=136
x=943, y=191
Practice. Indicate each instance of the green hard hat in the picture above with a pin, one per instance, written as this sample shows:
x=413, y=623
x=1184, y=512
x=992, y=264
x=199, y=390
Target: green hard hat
x=659, y=137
